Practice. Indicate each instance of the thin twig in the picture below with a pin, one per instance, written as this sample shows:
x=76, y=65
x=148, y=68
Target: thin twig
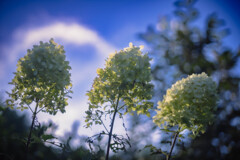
x=104, y=125
x=125, y=129
x=121, y=107
x=30, y=108
x=175, y=138
x=40, y=110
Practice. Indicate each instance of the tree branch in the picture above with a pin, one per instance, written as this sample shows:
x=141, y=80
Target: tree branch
x=40, y=110
x=121, y=107
x=30, y=108
x=110, y=134
x=31, y=128
x=175, y=138
x=104, y=125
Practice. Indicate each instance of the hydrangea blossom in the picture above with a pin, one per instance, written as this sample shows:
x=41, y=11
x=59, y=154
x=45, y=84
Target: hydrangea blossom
x=189, y=104
x=127, y=76
x=43, y=77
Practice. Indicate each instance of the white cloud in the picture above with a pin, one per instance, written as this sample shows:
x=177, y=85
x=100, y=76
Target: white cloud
x=67, y=33
x=75, y=111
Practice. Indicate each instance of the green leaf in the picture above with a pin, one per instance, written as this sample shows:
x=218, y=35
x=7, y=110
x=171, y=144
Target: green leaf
x=47, y=137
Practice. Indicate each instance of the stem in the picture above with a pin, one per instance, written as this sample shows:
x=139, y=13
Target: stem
x=31, y=128
x=104, y=125
x=175, y=138
x=110, y=133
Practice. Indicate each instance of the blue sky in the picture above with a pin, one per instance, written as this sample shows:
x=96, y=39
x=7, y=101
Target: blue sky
x=89, y=30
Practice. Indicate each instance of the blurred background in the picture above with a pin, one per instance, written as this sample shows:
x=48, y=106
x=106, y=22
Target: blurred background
x=182, y=37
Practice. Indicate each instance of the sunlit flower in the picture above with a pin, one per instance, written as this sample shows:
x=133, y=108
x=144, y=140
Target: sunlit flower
x=189, y=103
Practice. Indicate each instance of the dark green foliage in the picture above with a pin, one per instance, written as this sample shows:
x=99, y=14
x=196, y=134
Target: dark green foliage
x=13, y=129
x=12, y=143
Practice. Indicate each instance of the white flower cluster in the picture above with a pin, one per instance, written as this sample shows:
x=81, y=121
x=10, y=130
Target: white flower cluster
x=127, y=77
x=189, y=104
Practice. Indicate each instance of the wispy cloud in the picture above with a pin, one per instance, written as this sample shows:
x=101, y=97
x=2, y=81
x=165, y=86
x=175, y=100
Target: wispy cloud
x=68, y=33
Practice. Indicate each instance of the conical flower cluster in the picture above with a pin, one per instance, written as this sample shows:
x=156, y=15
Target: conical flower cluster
x=189, y=104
